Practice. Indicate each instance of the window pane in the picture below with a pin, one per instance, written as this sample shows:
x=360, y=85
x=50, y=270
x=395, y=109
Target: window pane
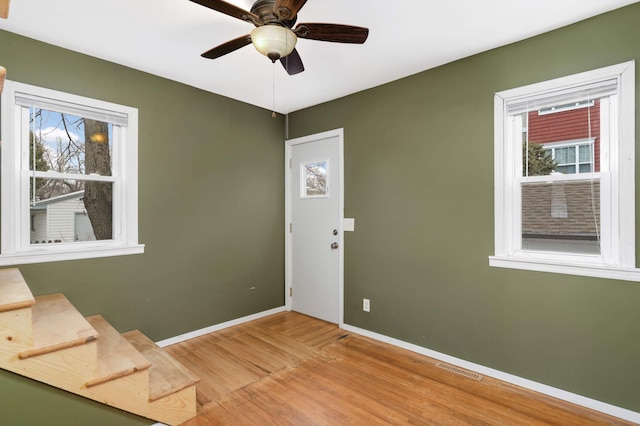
x=584, y=153
x=64, y=211
x=565, y=155
x=585, y=168
x=567, y=170
x=315, y=177
x=69, y=144
x=561, y=216
x=572, y=134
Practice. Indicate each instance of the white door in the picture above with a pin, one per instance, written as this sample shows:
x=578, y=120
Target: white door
x=314, y=225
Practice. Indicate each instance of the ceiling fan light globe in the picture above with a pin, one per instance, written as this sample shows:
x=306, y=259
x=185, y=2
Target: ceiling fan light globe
x=273, y=41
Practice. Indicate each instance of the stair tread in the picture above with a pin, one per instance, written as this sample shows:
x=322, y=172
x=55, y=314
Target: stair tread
x=166, y=374
x=14, y=291
x=57, y=325
x=116, y=356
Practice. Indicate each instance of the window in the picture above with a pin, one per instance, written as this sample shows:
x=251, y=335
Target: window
x=69, y=177
x=572, y=157
x=565, y=175
x=314, y=175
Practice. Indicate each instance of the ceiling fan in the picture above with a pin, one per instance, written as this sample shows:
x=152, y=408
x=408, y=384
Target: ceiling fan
x=275, y=35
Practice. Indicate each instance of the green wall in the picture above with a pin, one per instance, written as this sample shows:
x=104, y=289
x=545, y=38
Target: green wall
x=211, y=209
x=419, y=182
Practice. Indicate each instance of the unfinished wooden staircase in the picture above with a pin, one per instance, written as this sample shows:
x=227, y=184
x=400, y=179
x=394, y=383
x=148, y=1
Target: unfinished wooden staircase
x=45, y=338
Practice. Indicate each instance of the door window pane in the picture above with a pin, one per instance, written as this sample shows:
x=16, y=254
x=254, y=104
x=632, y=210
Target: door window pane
x=315, y=179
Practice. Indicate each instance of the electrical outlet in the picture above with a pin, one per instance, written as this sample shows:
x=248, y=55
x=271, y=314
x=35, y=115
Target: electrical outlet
x=366, y=305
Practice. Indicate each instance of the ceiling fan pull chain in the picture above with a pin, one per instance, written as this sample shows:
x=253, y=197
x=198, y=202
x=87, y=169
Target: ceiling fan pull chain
x=273, y=74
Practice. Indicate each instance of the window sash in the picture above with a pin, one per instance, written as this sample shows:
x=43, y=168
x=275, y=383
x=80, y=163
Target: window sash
x=516, y=124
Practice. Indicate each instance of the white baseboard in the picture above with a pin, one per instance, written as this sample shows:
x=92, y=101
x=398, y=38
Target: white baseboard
x=216, y=327
x=573, y=398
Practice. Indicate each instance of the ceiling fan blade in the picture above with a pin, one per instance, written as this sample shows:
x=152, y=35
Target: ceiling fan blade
x=286, y=10
x=227, y=47
x=332, y=32
x=292, y=63
x=229, y=9
x=4, y=9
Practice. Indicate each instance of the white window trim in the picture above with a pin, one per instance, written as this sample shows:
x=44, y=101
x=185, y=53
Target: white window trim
x=620, y=262
x=14, y=249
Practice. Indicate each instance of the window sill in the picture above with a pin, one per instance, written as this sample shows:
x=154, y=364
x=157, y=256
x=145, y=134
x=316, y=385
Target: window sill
x=597, y=271
x=66, y=253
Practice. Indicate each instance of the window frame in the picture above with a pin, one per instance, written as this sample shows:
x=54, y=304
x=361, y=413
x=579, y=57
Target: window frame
x=617, y=260
x=15, y=247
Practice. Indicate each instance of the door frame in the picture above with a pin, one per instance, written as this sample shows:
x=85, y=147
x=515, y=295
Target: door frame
x=289, y=144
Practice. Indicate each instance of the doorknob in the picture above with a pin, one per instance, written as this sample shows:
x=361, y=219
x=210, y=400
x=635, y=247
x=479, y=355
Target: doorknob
x=334, y=246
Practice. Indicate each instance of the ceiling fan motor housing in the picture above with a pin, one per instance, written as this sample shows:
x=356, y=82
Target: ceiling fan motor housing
x=268, y=14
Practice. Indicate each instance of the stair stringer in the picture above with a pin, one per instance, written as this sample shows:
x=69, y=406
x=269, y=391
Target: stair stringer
x=71, y=368
x=68, y=369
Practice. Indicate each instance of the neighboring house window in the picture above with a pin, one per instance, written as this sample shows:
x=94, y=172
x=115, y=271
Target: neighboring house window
x=65, y=157
x=572, y=157
x=565, y=174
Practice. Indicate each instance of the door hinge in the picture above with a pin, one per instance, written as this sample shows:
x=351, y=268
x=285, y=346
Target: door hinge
x=291, y=227
x=290, y=291
x=290, y=163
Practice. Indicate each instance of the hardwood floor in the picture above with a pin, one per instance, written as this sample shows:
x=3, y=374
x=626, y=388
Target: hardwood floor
x=290, y=369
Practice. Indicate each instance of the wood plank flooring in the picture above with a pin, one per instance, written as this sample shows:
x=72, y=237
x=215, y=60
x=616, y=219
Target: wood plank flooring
x=291, y=369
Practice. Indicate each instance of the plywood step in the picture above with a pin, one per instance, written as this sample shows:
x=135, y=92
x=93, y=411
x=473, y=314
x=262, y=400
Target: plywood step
x=14, y=291
x=116, y=356
x=166, y=375
x=57, y=325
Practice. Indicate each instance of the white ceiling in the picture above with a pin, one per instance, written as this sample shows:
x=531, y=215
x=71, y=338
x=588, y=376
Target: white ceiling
x=166, y=38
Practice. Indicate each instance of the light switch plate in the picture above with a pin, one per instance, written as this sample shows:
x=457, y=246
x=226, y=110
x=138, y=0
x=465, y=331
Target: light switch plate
x=349, y=224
